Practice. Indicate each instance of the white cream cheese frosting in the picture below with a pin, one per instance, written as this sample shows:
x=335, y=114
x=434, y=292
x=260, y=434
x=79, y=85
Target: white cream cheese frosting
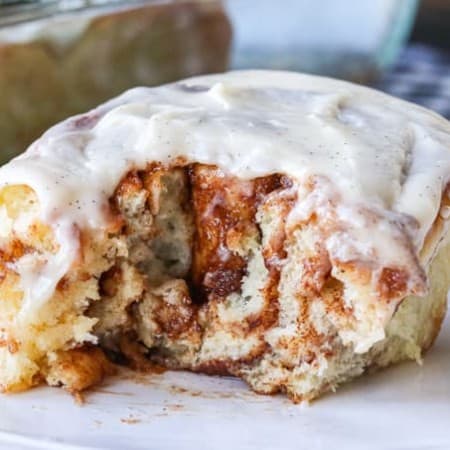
x=366, y=151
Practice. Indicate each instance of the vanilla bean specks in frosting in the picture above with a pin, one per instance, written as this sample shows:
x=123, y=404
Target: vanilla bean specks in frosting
x=375, y=166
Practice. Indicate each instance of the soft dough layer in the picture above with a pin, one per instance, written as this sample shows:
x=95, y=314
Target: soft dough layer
x=287, y=229
x=203, y=271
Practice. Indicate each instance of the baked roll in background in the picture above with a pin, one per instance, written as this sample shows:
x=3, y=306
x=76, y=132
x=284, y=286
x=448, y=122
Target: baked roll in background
x=70, y=62
x=288, y=229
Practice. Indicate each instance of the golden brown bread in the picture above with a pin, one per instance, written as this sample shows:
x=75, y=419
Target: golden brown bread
x=199, y=270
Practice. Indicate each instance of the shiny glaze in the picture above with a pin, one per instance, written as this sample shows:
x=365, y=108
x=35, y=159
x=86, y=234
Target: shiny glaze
x=373, y=165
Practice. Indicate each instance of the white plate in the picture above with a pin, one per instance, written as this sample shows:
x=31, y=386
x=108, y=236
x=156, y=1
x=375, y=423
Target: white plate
x=405, y=407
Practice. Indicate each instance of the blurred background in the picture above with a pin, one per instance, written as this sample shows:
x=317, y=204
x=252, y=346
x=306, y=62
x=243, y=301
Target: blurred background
x=58, y=58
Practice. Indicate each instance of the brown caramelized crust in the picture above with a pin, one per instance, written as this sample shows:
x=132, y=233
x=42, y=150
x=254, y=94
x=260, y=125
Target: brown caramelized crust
x=224, y=209
x=79, y=368
x=392, y=283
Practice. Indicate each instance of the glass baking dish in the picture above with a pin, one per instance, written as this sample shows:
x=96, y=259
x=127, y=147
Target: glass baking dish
x=349, y=39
